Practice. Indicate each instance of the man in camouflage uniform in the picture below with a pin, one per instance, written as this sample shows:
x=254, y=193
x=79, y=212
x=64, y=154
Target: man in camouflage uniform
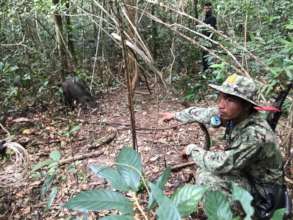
x=252, y=157
x=211, y=20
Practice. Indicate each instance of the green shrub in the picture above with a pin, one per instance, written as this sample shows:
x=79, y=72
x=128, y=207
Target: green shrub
x=126, y=176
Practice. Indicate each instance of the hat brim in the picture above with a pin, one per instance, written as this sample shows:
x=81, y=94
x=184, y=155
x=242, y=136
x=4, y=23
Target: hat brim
x=226, y=91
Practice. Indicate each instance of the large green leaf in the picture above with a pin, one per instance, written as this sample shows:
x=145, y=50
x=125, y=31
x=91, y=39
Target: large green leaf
x=164, y=178
x=216, y=206
x=118, y=217
x=129, y=166
x=245, y=200
x=160, y=183
x=167, y=209
x=96, y=200
x=157, y=193
x=111, y=175
x=186, y=198
x=278, y=214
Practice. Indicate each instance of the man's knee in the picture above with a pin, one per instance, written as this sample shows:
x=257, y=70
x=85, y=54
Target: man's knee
x=206, y=178
x=220, y=182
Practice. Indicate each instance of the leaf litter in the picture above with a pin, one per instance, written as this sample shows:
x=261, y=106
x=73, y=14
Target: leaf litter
x=78, y=133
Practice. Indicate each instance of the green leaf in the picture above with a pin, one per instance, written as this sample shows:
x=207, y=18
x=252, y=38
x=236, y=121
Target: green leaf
x=74, y=129
x=278, y=214
x=289, y=73
x=245, y=200
x=85, y=216
x=97, y=200
x=167, y=209
x=157, y=193
x=118, y=217
x=41, y=164
x=217, y=207
x=160, y=183
x=129, y=166
x=186, y=198
x=55, y=155
x=47, y=184
x=52, y=196
x=70, y=131
x=163, y=179
x=112, y=176
x=289, y=26
x=1, y=66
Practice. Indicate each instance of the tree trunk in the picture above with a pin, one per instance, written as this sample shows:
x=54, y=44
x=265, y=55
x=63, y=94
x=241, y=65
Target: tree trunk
x=195, y=4
x=154, y=34
x=60, y=40
x=69, y=33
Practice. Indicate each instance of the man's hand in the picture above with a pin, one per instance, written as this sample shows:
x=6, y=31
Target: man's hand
x=166, y=116
x=190, y=148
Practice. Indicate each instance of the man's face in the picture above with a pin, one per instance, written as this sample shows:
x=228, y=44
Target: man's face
x=230, y=107
x=207, y=9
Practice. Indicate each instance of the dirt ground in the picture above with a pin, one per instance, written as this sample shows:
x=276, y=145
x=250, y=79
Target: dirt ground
x=160, y=145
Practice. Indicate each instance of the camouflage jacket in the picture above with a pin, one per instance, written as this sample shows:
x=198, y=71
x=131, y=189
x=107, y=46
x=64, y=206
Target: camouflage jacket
x=196, y=114
x=252, y=150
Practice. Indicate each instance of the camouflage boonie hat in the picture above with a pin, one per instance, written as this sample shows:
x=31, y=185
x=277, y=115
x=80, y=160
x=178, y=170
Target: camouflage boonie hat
x=239, y=86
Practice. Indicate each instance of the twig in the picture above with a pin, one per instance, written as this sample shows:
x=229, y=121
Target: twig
x=245, y=42
x=5, y=130
x=138, y=47
x=80, y=157
x=174, y=29
x=17, y=44
x=145, y=129
x=134, y=197
x=96, y=53
x=214, y=42
x=127, y=63
x=104, y=140
x=230, y=40
x=179, y=167
x=172, y=53
x=288, y=180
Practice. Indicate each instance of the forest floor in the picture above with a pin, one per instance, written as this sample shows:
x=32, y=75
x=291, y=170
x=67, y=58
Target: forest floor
x=84, y=132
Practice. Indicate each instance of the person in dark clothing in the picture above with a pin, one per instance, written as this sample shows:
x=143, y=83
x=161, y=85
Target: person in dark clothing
x=211, y=20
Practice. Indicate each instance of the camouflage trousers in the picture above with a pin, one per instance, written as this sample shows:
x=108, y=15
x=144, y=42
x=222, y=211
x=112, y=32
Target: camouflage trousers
x=220, y=182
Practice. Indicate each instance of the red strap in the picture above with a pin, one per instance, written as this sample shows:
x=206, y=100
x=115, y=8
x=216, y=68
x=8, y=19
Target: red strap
x=267, y=108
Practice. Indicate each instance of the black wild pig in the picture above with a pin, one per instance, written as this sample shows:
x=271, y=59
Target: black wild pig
x=76, y=91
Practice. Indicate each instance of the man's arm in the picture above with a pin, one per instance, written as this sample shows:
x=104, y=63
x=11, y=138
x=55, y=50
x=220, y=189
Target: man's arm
x=196, y=114
x=238, y=155
x=212, y=21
